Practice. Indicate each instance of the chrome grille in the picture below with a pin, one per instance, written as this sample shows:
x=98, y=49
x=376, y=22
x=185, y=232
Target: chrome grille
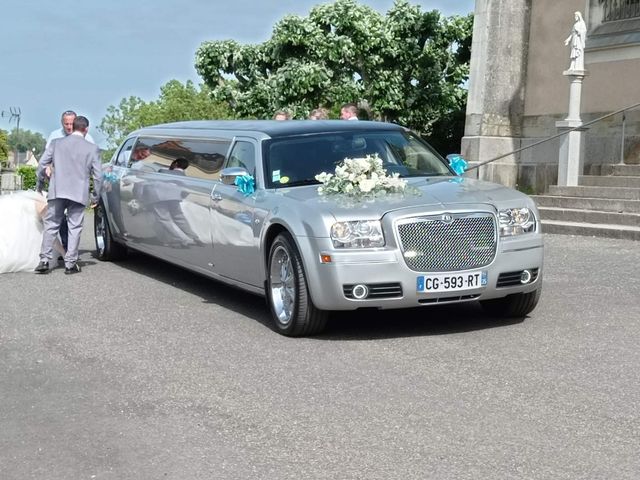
x=460, y=242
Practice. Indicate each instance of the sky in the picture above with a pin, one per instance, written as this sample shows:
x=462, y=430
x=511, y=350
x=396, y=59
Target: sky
x=85, y=56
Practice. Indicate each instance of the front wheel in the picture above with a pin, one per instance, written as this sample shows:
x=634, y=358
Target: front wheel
x=518, y=305
x=106, y=247
x=292, y=309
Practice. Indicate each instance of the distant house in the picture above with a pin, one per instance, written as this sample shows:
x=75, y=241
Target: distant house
x=24, y=158
x=517, y=90
x=30, y=159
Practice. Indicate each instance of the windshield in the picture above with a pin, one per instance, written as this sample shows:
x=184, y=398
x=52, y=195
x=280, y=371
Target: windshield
x=296, y=161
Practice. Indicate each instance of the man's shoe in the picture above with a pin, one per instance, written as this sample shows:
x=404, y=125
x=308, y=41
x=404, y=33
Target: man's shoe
x=75, y=269
x=43, y=267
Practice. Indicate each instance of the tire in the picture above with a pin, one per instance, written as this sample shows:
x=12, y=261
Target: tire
x=292, y=310
x=106, y=247
x=518, y=305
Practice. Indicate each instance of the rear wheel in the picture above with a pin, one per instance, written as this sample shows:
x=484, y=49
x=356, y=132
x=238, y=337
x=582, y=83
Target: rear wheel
x=106, y=247
x=512, y=306
x=292, y=310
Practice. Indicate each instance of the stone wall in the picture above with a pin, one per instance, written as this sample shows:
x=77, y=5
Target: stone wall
x=517, y=92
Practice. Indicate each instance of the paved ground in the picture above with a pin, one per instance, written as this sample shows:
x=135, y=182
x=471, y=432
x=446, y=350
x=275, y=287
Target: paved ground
x=138, y=370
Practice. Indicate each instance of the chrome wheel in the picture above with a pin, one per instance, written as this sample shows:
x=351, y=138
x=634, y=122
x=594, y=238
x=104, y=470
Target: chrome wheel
x=99, y=230
x=106, y=247
x=292, y=310
x=283, y=286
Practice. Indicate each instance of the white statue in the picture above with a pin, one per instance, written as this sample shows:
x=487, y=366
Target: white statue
x=578, y=39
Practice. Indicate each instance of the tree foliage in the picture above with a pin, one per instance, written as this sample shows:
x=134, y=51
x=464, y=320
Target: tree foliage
x=407, y=66
x=29, y=177
x=24, y=140
x=177, y=102
x=4, y=147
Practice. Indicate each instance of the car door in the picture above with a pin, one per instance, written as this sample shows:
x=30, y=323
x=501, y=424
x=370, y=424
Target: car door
x=236, y=219
x=136, y=224
x=114, y=188
x=167, y=210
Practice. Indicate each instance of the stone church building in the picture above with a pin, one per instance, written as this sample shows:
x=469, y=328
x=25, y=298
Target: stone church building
x=518, y=93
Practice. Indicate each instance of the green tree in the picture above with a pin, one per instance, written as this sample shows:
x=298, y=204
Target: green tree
x=29, y=178
x=24, y=140
x=177, y=102
x=407, y=66
x=4, y=148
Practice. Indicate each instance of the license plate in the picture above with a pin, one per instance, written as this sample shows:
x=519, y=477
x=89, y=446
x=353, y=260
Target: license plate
x=451, y=282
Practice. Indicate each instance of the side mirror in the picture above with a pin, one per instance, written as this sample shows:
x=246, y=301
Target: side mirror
x=228, y=175
x=457, y=163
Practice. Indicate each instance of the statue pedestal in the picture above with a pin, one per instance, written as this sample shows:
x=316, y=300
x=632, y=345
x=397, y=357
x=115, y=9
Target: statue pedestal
x=571, y=156
x=575, y=92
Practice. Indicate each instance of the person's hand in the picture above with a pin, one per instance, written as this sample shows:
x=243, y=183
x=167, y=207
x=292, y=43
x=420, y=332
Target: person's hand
x=47, y=171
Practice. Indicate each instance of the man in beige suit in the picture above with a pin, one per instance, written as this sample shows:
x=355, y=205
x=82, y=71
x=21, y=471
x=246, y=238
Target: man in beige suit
x=71, y=161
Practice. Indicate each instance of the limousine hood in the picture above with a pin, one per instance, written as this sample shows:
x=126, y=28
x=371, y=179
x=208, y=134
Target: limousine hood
x=431, y=191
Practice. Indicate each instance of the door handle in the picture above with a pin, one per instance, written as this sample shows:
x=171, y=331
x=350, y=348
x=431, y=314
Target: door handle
x=216, y=197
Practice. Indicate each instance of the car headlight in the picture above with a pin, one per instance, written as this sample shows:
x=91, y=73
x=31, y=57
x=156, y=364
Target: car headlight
x=516, y=221
x=357, y=234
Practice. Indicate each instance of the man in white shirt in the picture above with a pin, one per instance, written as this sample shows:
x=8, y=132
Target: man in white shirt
x=66, y=120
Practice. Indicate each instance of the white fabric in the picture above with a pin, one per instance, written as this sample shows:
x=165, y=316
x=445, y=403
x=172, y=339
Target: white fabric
x=20, y=231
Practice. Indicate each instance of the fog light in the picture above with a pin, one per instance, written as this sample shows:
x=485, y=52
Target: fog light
x=525, y=277
x=360, y=291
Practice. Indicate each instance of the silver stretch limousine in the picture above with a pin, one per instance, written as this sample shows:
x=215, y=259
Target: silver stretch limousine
x=320, y=216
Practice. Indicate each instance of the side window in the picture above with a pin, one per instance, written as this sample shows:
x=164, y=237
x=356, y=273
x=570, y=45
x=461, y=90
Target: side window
x=243, y=155
x=184, y=156
x=207, y=157
x=122, y=158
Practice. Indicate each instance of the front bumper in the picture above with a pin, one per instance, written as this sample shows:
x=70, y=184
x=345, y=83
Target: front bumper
x=384, y=266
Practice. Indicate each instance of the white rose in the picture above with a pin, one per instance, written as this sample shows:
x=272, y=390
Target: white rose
x=367, y=185
x=341, y=171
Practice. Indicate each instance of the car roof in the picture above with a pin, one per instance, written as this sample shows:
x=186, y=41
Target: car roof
x=275, y=128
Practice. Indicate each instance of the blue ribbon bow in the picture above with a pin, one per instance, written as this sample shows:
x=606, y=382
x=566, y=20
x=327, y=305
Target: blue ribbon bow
x=246, y=184
x=458, y=164
x=110, y=177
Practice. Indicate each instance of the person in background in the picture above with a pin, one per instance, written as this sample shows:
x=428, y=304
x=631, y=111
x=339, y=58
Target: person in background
x=281, y=115
x=66, y=120
x=349, y=111
x=178, y=166
x=141, y=152
x=71, y=161
x=319, y=114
